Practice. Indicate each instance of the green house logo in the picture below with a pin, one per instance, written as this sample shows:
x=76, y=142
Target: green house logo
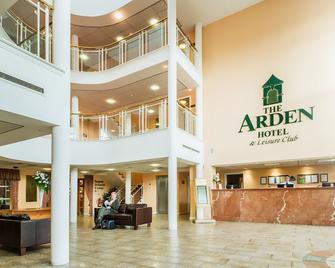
x=273, y=91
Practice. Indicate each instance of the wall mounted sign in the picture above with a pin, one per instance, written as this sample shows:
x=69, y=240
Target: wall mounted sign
x=274, y=117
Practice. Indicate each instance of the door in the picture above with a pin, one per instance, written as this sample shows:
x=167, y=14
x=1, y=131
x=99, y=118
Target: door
x=234, y=181
x=162, y=194
x=81, y=198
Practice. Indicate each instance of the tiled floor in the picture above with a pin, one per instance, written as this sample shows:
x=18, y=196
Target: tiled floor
x=219, y=245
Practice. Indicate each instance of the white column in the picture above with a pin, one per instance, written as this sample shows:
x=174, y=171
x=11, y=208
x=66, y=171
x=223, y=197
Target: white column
x=199, y=91
x=75, y=118
x=172, y=115
x=75, y=52
x=128, y=188
x=127, y=124
x=74, y=195
x=61, y=139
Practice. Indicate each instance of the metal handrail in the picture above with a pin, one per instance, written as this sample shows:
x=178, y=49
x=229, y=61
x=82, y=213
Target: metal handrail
x=95, y=48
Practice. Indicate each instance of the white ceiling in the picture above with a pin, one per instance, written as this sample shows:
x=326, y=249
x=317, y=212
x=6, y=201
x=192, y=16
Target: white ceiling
x=189, y=12
x=94, y=100
x=14, y=128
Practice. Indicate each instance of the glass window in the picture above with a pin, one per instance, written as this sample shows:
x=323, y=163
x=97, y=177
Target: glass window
x=4, y=194
x=202, y=194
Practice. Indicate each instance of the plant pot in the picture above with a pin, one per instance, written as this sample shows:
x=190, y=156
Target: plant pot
x=41, y=195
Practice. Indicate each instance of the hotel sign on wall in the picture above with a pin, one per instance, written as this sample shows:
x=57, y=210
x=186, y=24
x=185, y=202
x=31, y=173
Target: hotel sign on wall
x=272, y=127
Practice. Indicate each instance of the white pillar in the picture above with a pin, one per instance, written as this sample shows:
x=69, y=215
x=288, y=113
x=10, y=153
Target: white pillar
x=74, y=195
x=172, y=114
x=75, y=52
x=61, y=138
x=128, y=188
x=199, y=91
x=60, y=196
x=128, y=124
x=75, y=118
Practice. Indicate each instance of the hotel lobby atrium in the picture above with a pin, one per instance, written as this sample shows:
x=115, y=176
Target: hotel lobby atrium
x=167, y=133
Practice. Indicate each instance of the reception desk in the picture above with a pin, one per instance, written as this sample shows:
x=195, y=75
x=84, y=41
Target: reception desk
x=313, y=206
x=34, y=213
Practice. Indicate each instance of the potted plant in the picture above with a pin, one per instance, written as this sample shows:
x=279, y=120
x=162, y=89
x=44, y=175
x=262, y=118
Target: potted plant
x=216, y=180
x=41, y=180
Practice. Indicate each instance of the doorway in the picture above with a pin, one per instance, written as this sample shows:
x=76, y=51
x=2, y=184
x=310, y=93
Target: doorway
x=234, y=181
x=162, y=194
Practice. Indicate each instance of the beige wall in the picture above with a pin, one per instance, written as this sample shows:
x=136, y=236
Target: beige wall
x=251, y=177
x=150, y=191
x=293, y=40
x=22, y=189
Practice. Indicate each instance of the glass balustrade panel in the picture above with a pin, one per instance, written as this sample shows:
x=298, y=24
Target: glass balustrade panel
x=89, y=128
x=155, y=37
x=154, y=116
x=113, y=126
x=132, y=122
x=132, y=48
x=112, y=56
x=90, y=60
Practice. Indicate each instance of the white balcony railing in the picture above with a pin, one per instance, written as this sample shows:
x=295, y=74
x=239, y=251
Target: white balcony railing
x=34, y=37
x=96, y=59
x=126, y=122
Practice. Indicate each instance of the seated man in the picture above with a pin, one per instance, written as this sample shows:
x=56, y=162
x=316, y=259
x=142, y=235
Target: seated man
x=110, y=207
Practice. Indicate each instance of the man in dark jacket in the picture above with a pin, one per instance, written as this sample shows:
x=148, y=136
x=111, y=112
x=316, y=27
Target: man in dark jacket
x=110, y=207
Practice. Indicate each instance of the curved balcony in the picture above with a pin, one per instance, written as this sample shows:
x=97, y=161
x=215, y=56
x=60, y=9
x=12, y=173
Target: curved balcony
x=34, y=34
x=97, y=59
x=136, y=120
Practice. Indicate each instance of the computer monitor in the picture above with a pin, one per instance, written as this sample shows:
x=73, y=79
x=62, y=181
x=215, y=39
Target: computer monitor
x=280, y=186
x=290, y=185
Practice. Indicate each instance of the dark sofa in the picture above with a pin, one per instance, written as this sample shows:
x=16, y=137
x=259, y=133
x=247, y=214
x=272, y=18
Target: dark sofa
x=20, y=233
x=130, y=215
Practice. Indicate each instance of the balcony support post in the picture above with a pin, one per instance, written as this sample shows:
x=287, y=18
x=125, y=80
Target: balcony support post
x=172, y=115
x=60, y=156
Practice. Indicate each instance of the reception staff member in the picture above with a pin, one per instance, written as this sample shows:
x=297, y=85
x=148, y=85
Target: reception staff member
x=288, y=182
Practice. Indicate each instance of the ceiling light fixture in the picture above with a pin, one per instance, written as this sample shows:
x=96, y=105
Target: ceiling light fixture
x=155, y=170
x=83, y=56
x=119, y=38
x=165, y=66
x=111, y=169
x=154, y=87
x=154, y=165
x=190, y=89
x=151, y=111
x=153, y=21
x=182, y=46
x=84, y=171
x=118, y=15
x=111, y=101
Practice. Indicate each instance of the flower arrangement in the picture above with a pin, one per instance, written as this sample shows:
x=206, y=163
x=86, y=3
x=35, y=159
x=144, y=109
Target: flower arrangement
x=41, y=180
x=216, y=178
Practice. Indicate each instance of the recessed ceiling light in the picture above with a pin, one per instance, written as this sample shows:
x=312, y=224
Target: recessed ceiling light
x=84, y=171
x=155, y=170
x=153, y=21
x=118, y=15
x=183, y=102
x=190, y=89
x=111, y=101
x=154, y=87
x=154, y=165
x=111, y=169
x=151, y=111
x=165, y=66
x=119, y=38
x=182, y=46
x=83, y=56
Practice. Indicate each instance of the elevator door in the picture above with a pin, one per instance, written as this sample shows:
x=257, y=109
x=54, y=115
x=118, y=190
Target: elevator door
x=162, y=194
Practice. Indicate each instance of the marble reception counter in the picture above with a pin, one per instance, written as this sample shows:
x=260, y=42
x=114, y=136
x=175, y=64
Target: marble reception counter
x=313, y=206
